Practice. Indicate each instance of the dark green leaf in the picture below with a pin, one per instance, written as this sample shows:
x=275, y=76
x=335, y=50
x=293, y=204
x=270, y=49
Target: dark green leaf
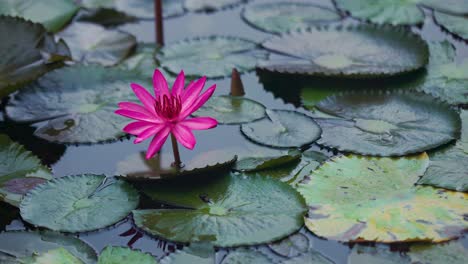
x=106, y=17
x=261, y=163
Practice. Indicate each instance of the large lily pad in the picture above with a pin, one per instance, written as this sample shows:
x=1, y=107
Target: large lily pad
x=391, y=208
x=398, y=12
x=281, y=17
x=91, y=43
x=53, y=14
x=447, y=167
x=251, y=164
x=119, y=255
x=213, y=56
x=457, y=25
x=230, y=210
x=20, y=245
x=27, y=51
x=283, y=128
x=139, y=8
x=74, y=101
x=351, y=51
x=79, y=203
x=210, y=5
x=446, y=78
x=232, y=109
x=20, y=171
x=386, y=124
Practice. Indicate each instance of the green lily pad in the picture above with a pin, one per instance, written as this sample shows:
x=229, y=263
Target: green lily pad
x=55, y=256
x=283, y=128
x=291, y=246
x=232, y=109
x=106, y=17
x=79, y=203
x=446, y=79
x=20, y=171
x=457, y=25
x=91, y=43
x=386, y=124
x=119, y=255
x=391, y=209
x=281, y=17
x=213, y=56
x=347, y=51
x=251, y=164
x=228, y=210
x=74, y=101
x=197, y=253
x=447, y=167
x=27, y=51
x=246, y=256
x=136, y=168
x=311, y=256
x=398, y=12
x=140, y=8
x=19, y=245
x=53, y=14
x=210, y=5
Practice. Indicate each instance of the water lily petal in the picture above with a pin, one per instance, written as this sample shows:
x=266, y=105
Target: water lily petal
x=179, y=83
x=137, y=115
x=198, y=103
x=157, y=142
x=200, y=123
x=153, y=130
x=160, y=84
x=184, y=135
x=190, y=95
x=134, y=107
x=145, y=97
x=136, y=128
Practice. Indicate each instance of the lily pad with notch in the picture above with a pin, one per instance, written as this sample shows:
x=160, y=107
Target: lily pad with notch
x=357, y=51
x=283, y=129
x=69, y=105
x=399, y=12
x=27, y=51
x=213, y=56
x=79, y=203
x=227, y=211
x=20, y=171
x=457, y=25
x=21, y=245
x=53, y=14
x=232, y=109
x=91, y=43
x=115, y=255
x=392, y=209
x=281, y=17
x=139, y=169
x=380, y=123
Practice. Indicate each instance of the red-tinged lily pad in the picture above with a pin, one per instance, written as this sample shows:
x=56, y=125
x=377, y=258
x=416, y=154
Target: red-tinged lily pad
x=22, y=185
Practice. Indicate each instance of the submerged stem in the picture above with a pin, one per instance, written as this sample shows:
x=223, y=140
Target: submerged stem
x=175, y=148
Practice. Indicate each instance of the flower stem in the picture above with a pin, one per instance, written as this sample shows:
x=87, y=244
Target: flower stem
x=175, y=148
x=158, y=22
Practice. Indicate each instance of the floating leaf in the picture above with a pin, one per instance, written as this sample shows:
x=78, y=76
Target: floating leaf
x=446, y=79
x=22, y=244
x=283, y=128
x=138, y=169
x=386, y=124
x=55, y=256
x=140, y=8
x=210, y=5
x=232, y=109
x=79, y=203
x=213, y=56
x=291, y=246
x=91, y=43
x=118, y=255
x=27, y=51
x=74, y=101
x=391, y=209
x=261, y=163
x=447, y=167
x=20, y=171
x=53, y=14
x=347, y=51
x=311, y=256
x=246, y=256
x=106, y=17
x=201, y=253
x=227, y=211
x=457, y=25
x=398, y=12
x=281, y=17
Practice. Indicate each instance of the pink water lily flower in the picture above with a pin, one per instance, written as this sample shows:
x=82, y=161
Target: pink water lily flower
x=167, y=112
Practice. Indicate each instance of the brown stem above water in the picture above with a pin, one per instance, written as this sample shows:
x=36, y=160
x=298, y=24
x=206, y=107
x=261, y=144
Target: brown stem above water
x=175, y=148
x=158, y=22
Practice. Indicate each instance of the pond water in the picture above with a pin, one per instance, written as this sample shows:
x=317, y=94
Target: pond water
x=105, y=158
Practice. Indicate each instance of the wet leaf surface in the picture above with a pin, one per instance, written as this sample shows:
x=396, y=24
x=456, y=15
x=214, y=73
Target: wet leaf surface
x=457, y=25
